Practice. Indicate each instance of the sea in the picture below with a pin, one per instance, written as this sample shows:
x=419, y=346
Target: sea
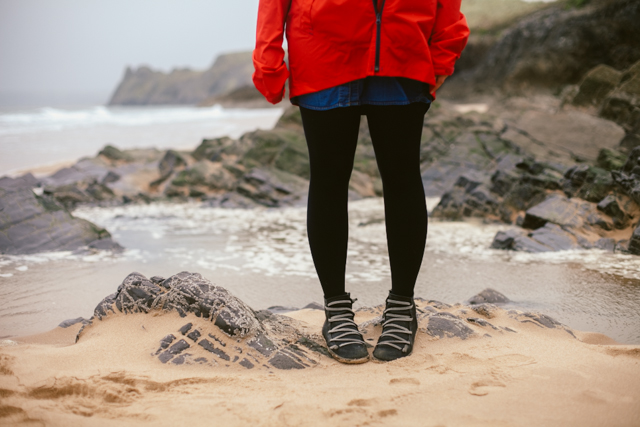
x=261, y=255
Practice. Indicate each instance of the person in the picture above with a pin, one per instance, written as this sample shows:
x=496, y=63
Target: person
x=384, y=59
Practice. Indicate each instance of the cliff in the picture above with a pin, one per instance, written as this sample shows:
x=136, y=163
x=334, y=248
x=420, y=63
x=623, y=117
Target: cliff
x=144, y=86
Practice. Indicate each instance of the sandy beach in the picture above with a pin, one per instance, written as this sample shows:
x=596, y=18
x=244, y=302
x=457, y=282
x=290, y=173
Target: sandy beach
x=507, y=373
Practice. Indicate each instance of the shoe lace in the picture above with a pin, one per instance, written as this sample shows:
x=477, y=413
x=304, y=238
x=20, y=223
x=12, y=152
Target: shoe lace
x=347, y=328
x=390, y=329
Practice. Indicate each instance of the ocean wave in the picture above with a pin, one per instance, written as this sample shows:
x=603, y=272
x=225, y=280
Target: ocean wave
x=56, y=119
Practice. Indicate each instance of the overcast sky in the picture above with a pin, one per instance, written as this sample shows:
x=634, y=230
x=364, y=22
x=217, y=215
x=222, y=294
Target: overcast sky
x=76, y=50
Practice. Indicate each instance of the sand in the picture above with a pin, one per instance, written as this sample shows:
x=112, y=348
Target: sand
x=534, y=376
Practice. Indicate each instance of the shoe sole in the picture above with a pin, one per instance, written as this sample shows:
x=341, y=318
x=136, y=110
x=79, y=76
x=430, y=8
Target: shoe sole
x=348, y=361
x=376, y=360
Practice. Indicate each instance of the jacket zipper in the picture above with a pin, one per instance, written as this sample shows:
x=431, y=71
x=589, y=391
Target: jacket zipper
x=378, y=25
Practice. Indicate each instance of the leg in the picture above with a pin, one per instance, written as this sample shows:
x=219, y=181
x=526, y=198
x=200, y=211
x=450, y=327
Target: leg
x=396, y=132
x=332, y=137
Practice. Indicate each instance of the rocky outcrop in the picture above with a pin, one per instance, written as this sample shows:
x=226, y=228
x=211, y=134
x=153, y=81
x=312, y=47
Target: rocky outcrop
x=220, y=330
x=558, y=45
x=613, y=95
x=558, y=208
x=263, y=167
x=230, y=331
x=31, y=223
x=144, y=86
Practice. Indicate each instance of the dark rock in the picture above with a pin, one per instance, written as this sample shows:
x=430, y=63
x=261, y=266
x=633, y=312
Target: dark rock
x=278, y=148
x=262, y=344
x=31, y=224
x=70, y=322
x=314, y=306
x=490, y=296
x=174, y=350
x=213, y=149
x=171, y=162
x=208, y=345
x=556, y=209
x=588, y=183
x=632, y=165
x=505, y=239
x=609, y=205
x=623, y=104
x=481, y=322
x=185, y=293
x=165, y=343
x=113, y=153
x=609, y=159
x=284, y=361
x=542, y=319
x=634, y=241
x=606, y=243
x=554, y=237
x=446, y=327
x=195, y=335
x=186, y=328
x=486, y=309
x=596, y=84
x=630, y=184
x=271, y=187
x=558, y=45
x=313, y=346
x=527, y=244
x=247, y=364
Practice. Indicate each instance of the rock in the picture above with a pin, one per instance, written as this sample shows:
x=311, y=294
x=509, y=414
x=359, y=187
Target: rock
x=144, y=86
x=228, y=329
x=215, y=149
x=272, y=187
x=279, y=148
x=490, y=296
x=557, y=210
x=506, y=239
x=559, y=44
x=632, y=165
x=31, y=224
x=448, y=327
x=609, y=159
x=70, y=322
x=555, y=238
x=609, y=205
x=170, y=163
x=198, y=179
x=629, y=184
x=596, y=84
x=113, y=153
x=607, y=244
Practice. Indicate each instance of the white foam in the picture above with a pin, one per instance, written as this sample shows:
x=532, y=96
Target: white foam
x=273, y=242
x=54, y=119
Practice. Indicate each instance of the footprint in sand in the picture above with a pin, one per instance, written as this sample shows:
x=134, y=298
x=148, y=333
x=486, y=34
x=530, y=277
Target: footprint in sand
x=404, y=381
x=483, y=387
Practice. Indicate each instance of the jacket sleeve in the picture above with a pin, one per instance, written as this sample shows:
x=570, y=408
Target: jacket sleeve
x=449, y=36
x=271, y=72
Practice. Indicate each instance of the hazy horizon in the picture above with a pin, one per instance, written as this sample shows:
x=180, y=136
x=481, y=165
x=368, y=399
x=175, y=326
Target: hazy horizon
x=72, y=52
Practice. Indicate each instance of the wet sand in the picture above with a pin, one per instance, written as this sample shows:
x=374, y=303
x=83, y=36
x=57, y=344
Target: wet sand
x=533, y=377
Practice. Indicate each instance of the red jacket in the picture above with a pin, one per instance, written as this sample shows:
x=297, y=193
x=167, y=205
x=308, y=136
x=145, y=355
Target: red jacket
x=332, y=42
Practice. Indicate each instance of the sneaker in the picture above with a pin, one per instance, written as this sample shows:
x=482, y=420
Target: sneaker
x=340, y=331
x=399, y=329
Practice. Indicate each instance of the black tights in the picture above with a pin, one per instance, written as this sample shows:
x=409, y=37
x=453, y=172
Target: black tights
x=332, y=137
